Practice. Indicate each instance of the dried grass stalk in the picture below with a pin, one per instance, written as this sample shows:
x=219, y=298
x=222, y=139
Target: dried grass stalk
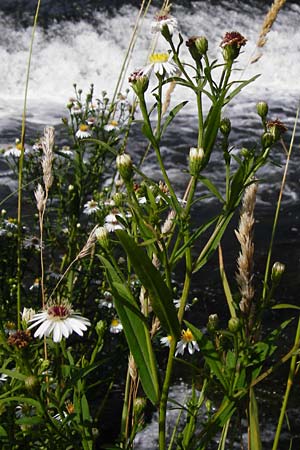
x=244, y=235
x=167, y=101
x=267, y=25
x=48, y=144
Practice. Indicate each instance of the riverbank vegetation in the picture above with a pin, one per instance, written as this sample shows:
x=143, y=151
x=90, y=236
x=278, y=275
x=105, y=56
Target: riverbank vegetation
x=98, y=266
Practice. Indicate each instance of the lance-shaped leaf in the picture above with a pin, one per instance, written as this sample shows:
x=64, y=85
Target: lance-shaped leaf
x=136, y=331
x=160, y=295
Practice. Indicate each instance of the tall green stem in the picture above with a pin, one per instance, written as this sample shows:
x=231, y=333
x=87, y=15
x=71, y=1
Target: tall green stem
x=287, y=391
x=20, y=175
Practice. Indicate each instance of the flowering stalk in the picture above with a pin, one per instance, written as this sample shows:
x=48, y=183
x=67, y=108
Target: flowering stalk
x=20, y=171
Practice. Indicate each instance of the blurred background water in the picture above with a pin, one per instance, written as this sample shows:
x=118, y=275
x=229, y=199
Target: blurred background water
x=85, y=42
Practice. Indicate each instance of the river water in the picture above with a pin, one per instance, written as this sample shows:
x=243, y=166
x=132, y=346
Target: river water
x=85, y=42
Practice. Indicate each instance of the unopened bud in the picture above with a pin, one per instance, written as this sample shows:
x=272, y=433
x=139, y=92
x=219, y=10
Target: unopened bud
x=267, y=140
x=262, y=109
x=124, y=166
x=197, y=46
x=31, y=382
x=102, y=236
x=196, y=156
x=139, y=406
x=225, y=126
x=234, y=324
x=213, y=322
x=277, y=271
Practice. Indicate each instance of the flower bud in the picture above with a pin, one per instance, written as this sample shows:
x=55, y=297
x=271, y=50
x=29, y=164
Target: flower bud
x=139, y=82
x=267, y=140
x=196, y=156
x=213, y=322
x=225, y=126
x=234, y=324
x=139, y=406
x=124, y=165
x=31, y=383
x=197, y=46
x=231, y=44
x=277, y=271
x=102, y=234
x=262, y=109
x=276, y=128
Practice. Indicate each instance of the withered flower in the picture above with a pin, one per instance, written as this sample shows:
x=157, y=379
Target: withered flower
x=231, y=45
x=20, y=338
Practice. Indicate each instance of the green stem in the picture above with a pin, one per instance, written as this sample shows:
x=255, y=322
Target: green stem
x=20, y=175
x=287, y=391
x=164, y=398
x=267, y=271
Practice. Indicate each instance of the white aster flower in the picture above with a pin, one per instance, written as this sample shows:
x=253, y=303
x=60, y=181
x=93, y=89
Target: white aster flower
x=91, y=207
x=15, y=151
x=187, y=340
x=115, y=326
x=113, y=125
x=112, y=223
x=160, y=64
x=58, y=320
x=83, y=131
x=166, y=341
x=162, y=20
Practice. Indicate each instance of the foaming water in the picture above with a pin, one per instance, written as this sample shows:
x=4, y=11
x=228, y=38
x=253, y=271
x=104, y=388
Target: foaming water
x=81, y=52
x=85, y=51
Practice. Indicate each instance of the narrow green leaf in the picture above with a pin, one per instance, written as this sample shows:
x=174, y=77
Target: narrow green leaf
x=210, y=355
x=210, y=185
x=85, y=409
x=136, y=331
x=285, y=306
x=160, y=295
x=213, y=242
x=255, y=440
x=171, y=115
x=239, y=88
x=27, y=420
x=14, y=374
x=3, y=432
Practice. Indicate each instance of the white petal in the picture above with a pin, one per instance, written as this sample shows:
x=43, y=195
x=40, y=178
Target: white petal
x=57, y=334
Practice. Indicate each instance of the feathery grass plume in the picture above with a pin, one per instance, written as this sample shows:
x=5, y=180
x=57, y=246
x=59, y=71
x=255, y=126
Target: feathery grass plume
x=47, y=142
x=267, y=25
x=87, y=248
x=244, y=235
x=40, y=198
x=167, y=101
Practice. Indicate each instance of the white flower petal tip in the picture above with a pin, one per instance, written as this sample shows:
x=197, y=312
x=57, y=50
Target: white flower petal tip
x=187, y=340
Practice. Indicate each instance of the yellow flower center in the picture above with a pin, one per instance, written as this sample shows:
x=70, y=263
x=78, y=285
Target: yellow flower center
x=19, y=146
x=187, y=335
x=83, y=127
x=115, y=322
x=159, y=58
x=114, y=123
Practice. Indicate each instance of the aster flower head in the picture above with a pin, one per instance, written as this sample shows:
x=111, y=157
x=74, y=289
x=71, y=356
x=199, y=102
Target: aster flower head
x=187, y=340
x=166, y=341
x=198, y=46
x=115, y=326
x=112, y=125
x=111, y=222
x=231, y=45
x=83, y=131
x=161, y=65
x=91, y=207
x=58, y=320
x=164, y=23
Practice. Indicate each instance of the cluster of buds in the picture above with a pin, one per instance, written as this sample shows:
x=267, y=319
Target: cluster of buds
x=198, y=46
x=231, y=45
x=196, y=157
x=139, y=82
